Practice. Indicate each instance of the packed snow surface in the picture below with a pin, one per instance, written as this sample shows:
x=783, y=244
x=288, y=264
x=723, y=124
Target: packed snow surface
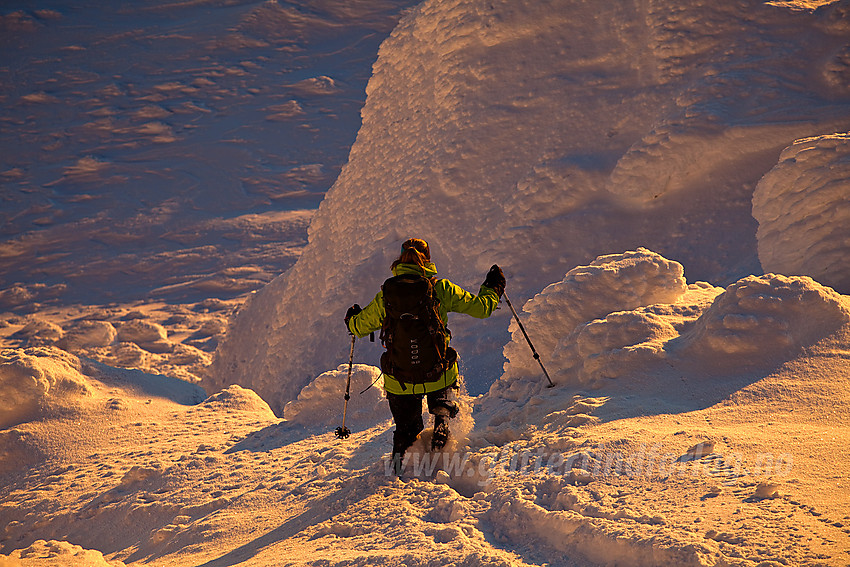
x=538, y=137
x=669, y=441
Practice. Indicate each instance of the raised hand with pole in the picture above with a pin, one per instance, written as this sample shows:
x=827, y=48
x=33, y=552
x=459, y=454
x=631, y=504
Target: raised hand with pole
x=496, y=280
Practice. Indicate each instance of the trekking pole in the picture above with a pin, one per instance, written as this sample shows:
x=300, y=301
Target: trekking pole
x=522, y=328
x=342, y=432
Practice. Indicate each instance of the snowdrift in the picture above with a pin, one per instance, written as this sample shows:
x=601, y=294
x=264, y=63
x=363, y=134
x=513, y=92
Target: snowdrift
x=58, y=554
x=625, y=314
x=692, y=424
x=803, y=209
x=320, y=403
x=764, y=318
x=547, y=476
x=609, y=284
x=37, y=381
x=236, y=398
x=46, y=382
x=540, y=137
x=130, y=336
x=105, y=440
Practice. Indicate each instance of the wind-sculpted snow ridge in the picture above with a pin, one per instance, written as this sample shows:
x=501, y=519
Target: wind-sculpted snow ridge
x=540, y=136
x=615, y=282
x=803, y=209
x=602, y=320
x=623, y=314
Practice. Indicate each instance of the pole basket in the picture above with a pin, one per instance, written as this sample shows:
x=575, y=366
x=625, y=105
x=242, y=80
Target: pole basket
x=342, y=432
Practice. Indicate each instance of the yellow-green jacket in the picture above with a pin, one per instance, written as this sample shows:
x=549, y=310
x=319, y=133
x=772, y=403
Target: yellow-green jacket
x=452, y=298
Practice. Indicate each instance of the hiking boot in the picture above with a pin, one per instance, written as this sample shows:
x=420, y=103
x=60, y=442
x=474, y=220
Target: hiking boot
x=398, y=463
x=453, y=411
x=441, y=433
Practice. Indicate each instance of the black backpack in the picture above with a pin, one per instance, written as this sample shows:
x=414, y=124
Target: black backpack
x=412, y=332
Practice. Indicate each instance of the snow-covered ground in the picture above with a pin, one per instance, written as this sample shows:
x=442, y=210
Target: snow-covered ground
x=665, y=184
x=646, y=452
x=176, y=148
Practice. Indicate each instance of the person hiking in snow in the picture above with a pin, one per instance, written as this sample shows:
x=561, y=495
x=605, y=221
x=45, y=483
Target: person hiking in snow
x=411, y=310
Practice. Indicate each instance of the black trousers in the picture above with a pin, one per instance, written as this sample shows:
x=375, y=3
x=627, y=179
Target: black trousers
x=407, y=414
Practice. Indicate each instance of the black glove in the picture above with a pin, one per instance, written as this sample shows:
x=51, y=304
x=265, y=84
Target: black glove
x=496, y=280
x=352, y=311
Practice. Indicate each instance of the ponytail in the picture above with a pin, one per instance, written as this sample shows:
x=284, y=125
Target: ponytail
x=414, y=251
